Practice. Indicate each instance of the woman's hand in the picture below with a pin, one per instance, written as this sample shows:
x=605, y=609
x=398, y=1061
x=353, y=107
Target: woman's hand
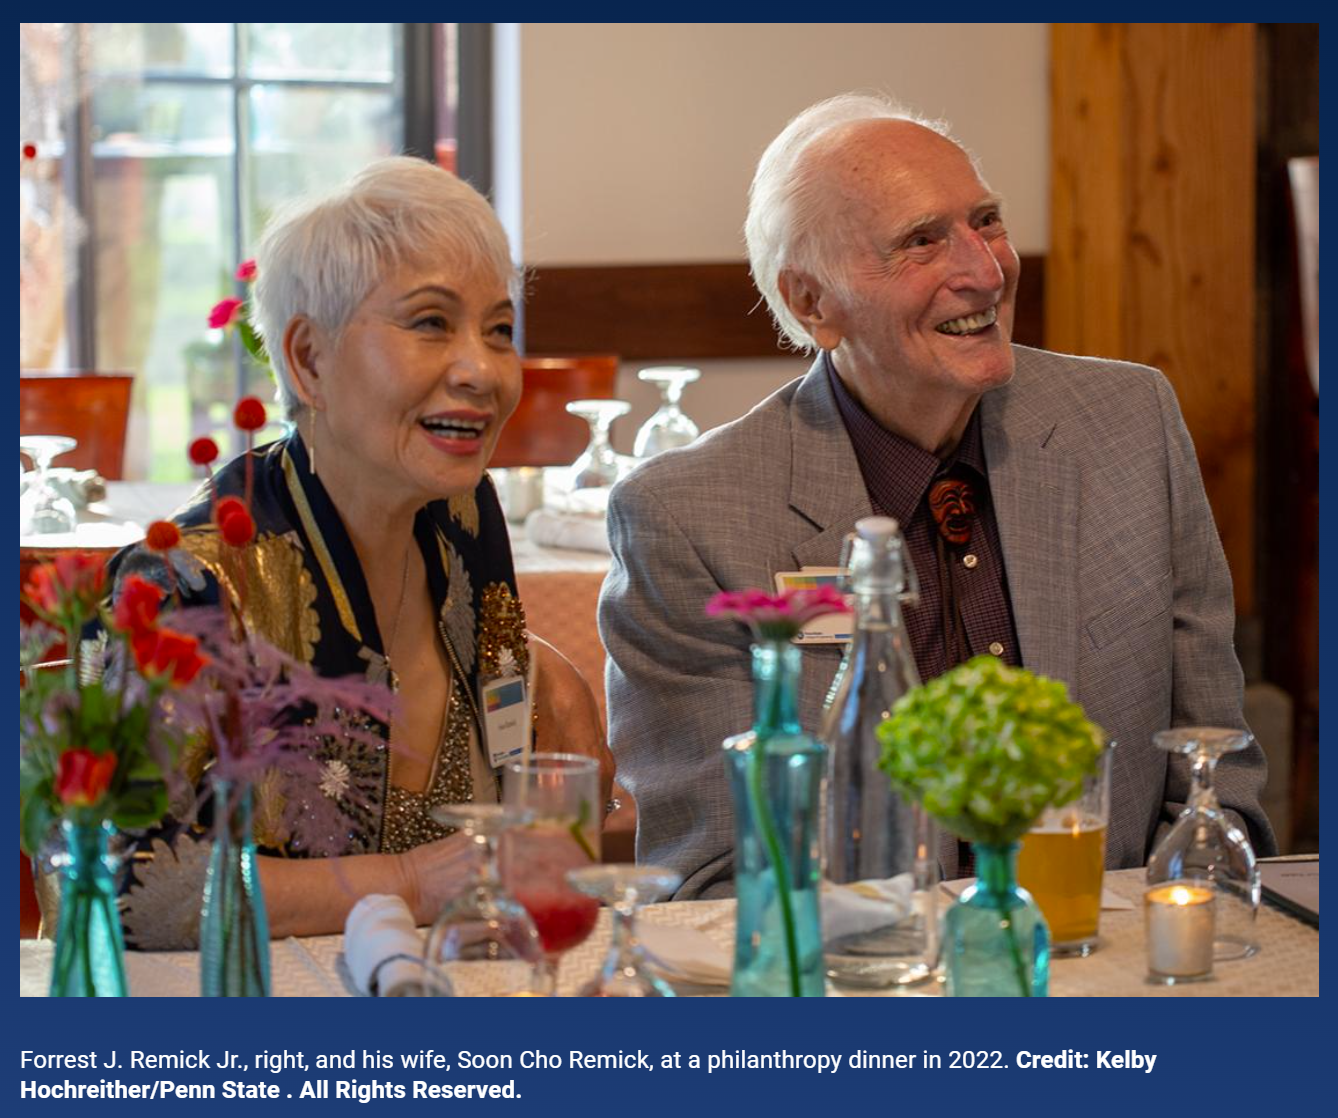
x=437, y=871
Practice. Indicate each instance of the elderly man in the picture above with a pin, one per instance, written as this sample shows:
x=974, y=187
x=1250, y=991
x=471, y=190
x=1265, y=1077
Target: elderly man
x=1077, y=542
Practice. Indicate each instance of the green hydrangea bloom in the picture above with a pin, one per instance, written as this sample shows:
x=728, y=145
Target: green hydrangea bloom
x=986, y=748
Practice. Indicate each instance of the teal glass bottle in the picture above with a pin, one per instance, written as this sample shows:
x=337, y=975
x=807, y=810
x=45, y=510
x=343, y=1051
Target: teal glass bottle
x=89, y=960
x=776, y=773
x=234, y=932
x=995, y=940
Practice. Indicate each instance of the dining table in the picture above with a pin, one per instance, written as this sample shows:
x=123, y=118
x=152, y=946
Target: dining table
x=1287, y=964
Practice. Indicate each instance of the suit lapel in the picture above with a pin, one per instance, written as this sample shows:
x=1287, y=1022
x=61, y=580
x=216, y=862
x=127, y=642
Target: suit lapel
x=826, y=486
x=1036, y=490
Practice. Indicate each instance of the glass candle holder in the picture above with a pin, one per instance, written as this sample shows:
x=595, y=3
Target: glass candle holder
x=1206, y=846
x=1180, y=918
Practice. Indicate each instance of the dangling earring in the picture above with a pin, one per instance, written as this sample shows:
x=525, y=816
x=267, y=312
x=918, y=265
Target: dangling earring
x=311, y=445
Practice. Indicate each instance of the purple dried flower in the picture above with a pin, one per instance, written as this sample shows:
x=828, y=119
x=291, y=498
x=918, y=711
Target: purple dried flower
x=266, y=713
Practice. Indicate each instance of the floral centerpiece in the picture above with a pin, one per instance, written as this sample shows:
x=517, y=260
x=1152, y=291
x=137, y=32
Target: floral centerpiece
x=776, y=773
x=107, y=736
x=96, y=749
x=986, y=748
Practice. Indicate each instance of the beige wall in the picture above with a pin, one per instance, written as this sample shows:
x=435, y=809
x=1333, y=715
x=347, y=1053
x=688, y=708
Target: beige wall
x=637, y=141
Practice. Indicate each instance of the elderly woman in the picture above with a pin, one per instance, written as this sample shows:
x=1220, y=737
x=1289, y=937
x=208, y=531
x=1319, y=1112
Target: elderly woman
x=387, y=311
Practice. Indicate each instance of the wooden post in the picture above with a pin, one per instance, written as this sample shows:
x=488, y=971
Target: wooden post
x=1152, y=239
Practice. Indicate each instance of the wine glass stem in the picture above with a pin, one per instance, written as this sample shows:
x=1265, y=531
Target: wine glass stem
x=624, y=926
x=489, y=874
x=1201, y=771
x=545, y=975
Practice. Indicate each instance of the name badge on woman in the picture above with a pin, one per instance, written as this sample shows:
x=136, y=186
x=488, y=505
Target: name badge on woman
x=505, y=703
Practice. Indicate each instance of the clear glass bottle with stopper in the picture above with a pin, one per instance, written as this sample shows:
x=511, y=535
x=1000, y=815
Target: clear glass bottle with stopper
x=879, y=859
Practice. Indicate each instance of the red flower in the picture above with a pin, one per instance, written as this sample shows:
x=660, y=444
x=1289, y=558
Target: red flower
x=82, y=777
x=246, y=271
x=70, y=582
x=237, y=528
x=249, y=414
x=137, y=605
x=226, y=507
x=225, y=313
x=203, y=451
x=162, y=535
x=167, y=653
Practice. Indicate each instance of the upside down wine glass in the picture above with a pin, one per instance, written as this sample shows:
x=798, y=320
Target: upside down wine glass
x=668, y=427
x=597, y=467
x=1205, y=844
x=42, y=509
x=626, y=971
x=484, y=943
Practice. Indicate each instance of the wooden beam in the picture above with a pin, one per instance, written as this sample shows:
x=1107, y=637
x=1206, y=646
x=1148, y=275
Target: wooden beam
x=1152, y=232
x=684, y=311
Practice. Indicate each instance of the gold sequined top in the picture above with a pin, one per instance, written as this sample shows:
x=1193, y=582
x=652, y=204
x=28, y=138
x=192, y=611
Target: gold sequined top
x=300, y=586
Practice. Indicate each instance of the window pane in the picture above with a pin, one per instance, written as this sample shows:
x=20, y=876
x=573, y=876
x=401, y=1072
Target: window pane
x=164, y=258
x=47, y=228
x=329, y=51
x=305, y=139
x=161, y=117
x=161, y=48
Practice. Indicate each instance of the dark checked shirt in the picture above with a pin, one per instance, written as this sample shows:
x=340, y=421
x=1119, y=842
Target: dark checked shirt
x=897, y=475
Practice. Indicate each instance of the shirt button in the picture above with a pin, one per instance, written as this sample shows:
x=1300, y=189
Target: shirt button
x=969, y=561
x=996, y=649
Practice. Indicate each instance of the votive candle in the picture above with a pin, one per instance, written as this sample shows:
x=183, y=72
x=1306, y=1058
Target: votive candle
x=1180, y=918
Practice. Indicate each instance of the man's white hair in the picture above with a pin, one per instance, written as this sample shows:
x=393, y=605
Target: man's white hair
x=786, y=201
x=322, y=256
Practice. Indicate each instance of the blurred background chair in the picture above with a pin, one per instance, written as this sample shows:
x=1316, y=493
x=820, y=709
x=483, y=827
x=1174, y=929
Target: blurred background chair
x=559, y=602
x=93, y=408
x=541, y=433
x=559, y=606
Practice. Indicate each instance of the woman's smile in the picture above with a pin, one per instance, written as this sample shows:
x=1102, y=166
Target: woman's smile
x=460, y=432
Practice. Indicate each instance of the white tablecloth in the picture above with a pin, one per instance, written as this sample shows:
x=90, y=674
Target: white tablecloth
x=1288, y=964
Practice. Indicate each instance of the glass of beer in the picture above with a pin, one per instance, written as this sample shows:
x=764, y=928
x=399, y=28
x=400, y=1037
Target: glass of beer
x=1062, y=859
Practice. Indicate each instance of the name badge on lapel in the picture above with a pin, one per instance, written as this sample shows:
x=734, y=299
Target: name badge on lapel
x=506, y=718
x=834, y=628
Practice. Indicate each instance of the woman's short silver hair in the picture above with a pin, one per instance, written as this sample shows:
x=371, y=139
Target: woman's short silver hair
x=786, y=201
x=322, y=256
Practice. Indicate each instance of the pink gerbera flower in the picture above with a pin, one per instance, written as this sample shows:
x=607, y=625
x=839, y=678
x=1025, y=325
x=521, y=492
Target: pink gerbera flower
x=776, y=616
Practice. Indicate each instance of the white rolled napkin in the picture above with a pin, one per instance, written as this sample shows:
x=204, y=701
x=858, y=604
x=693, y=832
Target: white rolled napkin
x=382, y=947
x=685, y=954
x=864, y=906
x=549, y=528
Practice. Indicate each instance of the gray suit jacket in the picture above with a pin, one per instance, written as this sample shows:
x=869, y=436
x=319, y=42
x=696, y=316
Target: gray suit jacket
x=1118, y=582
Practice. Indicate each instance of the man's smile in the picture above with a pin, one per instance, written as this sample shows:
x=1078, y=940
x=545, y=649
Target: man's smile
x=971, y=323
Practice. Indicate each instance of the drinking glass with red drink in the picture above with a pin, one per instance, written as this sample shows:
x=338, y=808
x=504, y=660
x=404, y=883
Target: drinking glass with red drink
x=560, y=791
